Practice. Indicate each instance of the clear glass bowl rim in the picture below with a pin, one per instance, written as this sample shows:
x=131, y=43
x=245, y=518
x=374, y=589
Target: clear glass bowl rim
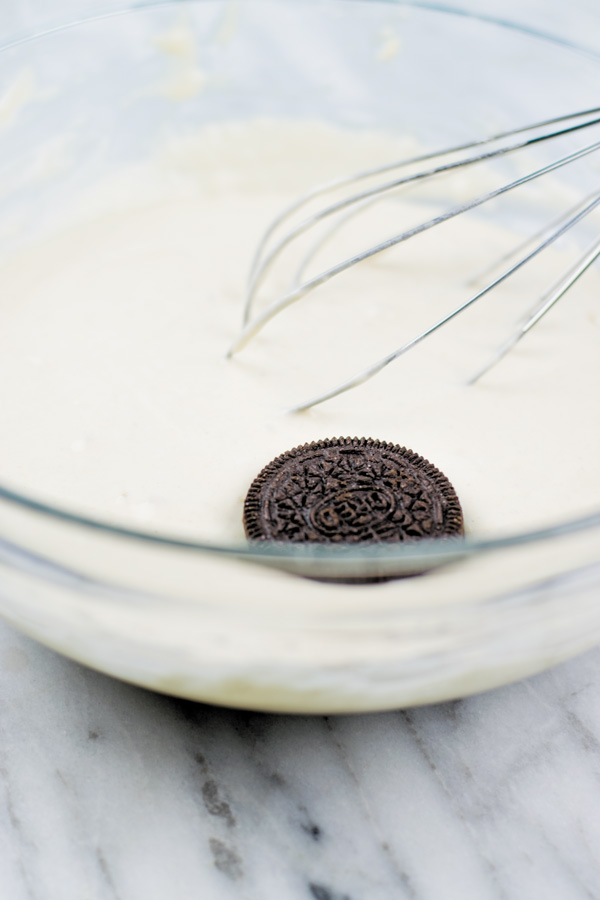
x=445, y=551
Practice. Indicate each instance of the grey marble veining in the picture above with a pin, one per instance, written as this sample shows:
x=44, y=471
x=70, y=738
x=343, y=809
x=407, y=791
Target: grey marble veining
x=112, y=793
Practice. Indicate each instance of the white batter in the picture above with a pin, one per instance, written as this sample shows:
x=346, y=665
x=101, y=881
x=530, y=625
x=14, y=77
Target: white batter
x=118, y=401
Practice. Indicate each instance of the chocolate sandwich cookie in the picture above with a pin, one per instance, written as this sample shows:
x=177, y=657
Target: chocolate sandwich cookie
x=351, y=490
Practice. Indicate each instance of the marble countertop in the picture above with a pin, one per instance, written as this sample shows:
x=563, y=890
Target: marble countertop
x=109, y=792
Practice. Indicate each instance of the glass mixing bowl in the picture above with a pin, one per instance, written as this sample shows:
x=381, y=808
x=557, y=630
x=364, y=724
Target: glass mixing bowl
x=170, y=613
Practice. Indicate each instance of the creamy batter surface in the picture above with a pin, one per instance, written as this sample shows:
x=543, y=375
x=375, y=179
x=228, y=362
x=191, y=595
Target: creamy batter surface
x=118, y=400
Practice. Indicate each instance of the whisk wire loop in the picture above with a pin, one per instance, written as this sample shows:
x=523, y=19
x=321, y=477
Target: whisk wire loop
x=549, y=300
x=257, y=324
x=341, y=210
x=263, y=261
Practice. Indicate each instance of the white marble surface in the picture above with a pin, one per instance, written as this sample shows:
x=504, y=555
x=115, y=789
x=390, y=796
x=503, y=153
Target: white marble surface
x=108, y=792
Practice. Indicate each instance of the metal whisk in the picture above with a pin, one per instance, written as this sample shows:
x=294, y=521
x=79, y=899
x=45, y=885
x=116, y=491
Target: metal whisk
x=276, y=239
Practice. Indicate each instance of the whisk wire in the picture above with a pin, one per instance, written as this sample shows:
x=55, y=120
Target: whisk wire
x=258, y=323
x=556, y=293
x=261, y=263
x=271, y=246
x=529, y=241
x=540, y=310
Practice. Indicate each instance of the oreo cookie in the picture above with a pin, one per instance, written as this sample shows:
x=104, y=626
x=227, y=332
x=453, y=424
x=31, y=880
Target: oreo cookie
x=351, y=491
